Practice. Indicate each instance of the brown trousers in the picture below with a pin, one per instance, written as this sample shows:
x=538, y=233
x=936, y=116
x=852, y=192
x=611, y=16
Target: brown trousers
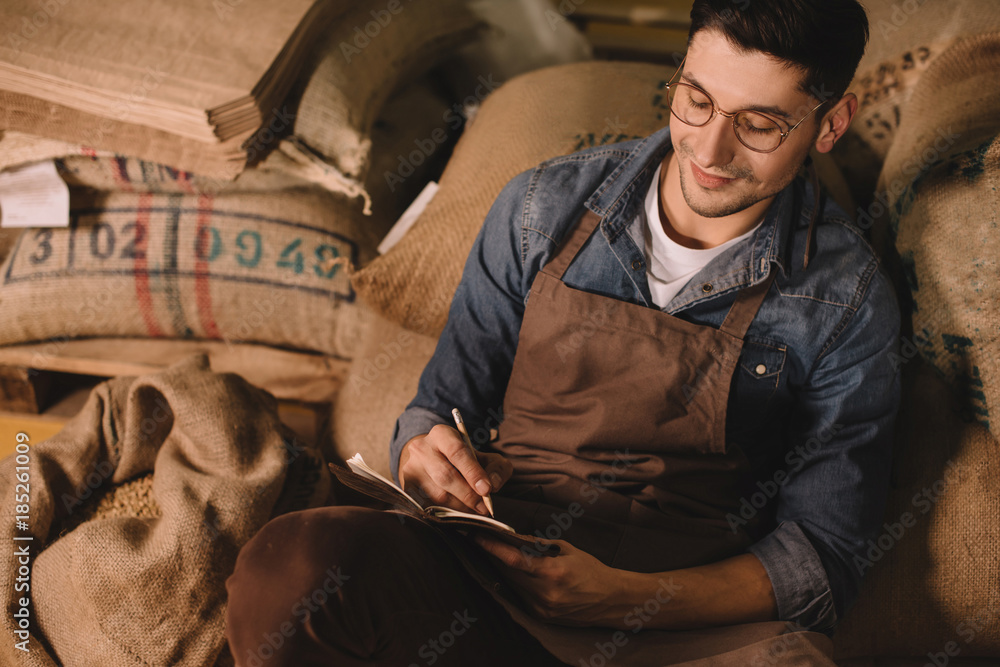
x=355, y=586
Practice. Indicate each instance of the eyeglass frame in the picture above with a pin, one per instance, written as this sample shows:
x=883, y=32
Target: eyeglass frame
x=733, y=115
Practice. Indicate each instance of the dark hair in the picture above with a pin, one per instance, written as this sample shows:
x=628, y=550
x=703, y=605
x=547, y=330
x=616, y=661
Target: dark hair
x=824, y=37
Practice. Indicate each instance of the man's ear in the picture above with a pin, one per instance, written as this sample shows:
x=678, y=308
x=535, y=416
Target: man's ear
x=835, y=122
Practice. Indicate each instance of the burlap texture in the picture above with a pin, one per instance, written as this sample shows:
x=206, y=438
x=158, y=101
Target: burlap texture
x=18, y=148
x=368, y=52
x=906, y=38
x=130, y=174
x=534, y=117
x=933, y=577
x=381, y=382
x=25, y=114
x=340, y=91
x=531, y=118
x=941, y=178
x=242, y=267
x=122, y=590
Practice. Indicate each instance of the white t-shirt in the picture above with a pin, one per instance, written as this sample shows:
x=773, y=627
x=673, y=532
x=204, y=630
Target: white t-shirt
x=669, y=265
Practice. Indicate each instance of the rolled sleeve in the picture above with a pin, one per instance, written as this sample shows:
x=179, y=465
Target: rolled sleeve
x=841, y=433
x=472, y=363
x=801, y=587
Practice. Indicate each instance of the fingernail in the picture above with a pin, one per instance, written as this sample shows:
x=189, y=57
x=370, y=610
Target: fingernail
x=481, y=508
x=483, y=487
x=495, y=479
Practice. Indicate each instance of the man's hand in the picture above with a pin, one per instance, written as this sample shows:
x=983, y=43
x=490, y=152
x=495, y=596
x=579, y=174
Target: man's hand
x=440, y=468
x=573, y=588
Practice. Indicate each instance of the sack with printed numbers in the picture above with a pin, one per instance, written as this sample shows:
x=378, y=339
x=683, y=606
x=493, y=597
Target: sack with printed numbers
x=906, y=37
x=942, y=178
x=267, y=268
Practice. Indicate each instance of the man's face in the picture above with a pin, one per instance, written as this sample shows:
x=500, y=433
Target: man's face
x=720, y=176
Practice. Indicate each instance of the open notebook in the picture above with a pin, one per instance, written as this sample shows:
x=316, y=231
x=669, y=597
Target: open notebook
x=362, y=478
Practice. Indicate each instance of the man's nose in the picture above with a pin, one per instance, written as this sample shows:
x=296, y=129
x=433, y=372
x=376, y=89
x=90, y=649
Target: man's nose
x=714, y=142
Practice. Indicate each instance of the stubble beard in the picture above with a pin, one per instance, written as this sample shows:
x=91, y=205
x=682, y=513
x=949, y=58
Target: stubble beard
x=718, y=205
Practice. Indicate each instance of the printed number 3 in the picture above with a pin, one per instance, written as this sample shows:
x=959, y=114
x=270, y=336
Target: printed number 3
x=44, y=250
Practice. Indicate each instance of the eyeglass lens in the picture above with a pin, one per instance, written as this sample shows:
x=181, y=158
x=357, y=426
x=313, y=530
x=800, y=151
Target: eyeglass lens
x=694, y=107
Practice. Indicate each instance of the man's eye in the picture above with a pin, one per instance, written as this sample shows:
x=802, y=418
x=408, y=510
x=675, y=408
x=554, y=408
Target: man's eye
x=699, y=105
x=758, y=125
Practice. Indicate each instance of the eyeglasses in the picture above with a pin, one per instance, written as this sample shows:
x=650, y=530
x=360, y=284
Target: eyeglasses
x=693, y=106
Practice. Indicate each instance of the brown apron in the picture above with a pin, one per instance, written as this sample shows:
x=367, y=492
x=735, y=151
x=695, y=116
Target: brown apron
x=621, y=409
x=615, y=422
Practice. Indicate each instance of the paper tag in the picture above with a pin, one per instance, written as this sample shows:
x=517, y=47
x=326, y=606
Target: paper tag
x=33, y=196
x=409, y=216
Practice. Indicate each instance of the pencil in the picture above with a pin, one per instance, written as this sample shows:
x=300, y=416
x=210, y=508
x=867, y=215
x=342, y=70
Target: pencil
x=460, y=425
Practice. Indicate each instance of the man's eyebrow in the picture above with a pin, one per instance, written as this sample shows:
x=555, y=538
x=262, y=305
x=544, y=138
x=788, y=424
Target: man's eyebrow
x=770, y=110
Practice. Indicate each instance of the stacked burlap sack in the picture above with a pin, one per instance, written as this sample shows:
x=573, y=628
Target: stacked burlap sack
x=142, y=581
x=906, y=37
x=929, y=583
x=155, y=251
x=363, y=52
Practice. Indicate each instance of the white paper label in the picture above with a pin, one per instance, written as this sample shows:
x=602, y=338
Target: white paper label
x=33, y=196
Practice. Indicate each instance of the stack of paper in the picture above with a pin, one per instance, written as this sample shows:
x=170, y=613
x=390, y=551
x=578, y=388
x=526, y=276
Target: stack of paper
x=182, y=82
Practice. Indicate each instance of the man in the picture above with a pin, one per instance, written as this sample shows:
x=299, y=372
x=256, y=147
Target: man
x=691, y=351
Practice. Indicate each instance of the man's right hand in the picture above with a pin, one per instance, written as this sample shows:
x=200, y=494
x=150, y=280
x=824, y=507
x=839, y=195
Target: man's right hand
x=440, y=470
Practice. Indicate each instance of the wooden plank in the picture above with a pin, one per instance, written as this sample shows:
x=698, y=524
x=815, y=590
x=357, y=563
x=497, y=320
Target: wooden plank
x=287, y=374
x=306, y=420
x=22, y=390
x=661, y=13
x=661, y=45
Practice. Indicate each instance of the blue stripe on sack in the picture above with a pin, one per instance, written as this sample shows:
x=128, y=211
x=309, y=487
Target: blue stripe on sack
x=171, y=284
x=123, y=168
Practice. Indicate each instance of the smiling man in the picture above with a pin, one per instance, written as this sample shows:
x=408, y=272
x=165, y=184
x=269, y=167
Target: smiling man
x=691, y=348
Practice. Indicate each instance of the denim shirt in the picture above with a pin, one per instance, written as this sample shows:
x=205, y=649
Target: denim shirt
x=815, y=393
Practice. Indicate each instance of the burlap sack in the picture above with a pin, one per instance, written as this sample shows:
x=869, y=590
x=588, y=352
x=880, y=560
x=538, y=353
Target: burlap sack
x=906, y=36
x=21, y=113
x=941, y=179
x=242, y=267
x=933, y=573
x=130, y=174
x=534, y=117
x=380, y=384
x=18, y=148
x=531, y=118
x=368, y=53
x=410, y=141
x=125, y=590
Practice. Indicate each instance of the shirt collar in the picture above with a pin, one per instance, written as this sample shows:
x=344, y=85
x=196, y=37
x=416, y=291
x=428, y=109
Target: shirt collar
x=620, y=196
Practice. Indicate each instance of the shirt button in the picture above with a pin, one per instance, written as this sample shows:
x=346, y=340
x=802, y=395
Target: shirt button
x=761, y=369
x=706, y=288
x=636, y=264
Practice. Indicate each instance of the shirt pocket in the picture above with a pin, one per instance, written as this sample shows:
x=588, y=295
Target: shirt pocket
x=758, y=376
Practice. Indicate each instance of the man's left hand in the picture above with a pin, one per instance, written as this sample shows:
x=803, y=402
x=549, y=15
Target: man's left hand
x=573, y=588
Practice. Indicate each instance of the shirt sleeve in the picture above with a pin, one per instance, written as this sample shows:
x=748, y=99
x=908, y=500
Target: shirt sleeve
x=839, y=459
x=471, y=365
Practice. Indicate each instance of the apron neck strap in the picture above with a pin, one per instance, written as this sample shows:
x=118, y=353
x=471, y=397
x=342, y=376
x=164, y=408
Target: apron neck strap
x=745, y=308
x=740, y=315
x=566, y=253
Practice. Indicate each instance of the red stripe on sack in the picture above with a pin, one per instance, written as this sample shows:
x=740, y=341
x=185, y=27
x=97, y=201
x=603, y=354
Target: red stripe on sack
x=184, y=177
x=140, y=268
x=202, y=286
